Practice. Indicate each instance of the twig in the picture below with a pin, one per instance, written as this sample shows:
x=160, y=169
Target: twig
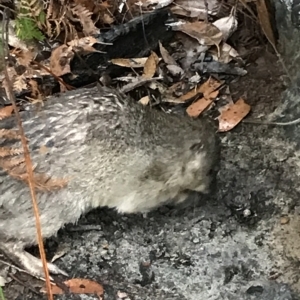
x=11, y=97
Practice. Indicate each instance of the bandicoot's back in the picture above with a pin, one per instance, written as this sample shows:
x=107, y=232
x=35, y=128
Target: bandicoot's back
x=112, y=151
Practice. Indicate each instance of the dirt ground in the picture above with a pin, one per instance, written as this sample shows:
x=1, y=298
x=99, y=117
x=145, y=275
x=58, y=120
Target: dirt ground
x=242, y=242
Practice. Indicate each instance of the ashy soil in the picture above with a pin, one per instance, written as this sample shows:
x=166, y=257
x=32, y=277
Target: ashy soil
x=240, y=243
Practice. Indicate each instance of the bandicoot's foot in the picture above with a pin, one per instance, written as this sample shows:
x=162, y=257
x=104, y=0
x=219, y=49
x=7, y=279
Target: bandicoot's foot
x=35, y=266
x=27, y=261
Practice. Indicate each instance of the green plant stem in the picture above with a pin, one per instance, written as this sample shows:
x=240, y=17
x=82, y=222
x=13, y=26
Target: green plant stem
x=1, y=294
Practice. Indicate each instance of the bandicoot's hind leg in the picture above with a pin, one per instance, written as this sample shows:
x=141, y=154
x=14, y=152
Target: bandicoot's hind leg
x=33, y=265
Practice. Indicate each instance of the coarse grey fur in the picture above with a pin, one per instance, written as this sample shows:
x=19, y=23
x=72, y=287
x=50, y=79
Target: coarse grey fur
x=113, y=151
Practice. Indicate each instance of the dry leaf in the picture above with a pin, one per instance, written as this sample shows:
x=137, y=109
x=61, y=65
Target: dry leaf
x=227, y=25
x=232, y=115
x=137, y=82
x=79, y=286
x=24, y=57
x=205, y=88
x=196, y=108
x=130, y=62
x=150, y=65
x=175, y=70
x=6, y=112
x=85, y=41
x=264, y=20
x=168, y=59
x=205, y=33
x=36, y=95
x=210, y=86
x=157, y=3
x=225, y=55
x=84, y=16
x=107, y=19
x=144, y=100
x=196, y=8
x=60, y=60
x=20, y=83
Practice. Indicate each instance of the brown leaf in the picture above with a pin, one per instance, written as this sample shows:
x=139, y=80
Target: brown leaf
x=24, y=58
x=107, y=19
x=265, y=21
x=196, y=108
x=84, y=16
x=144, y=100
x=85, y=41
x=35, y=91
x=137, y=82
x=168, y=59
x=224, y=54
x=232, y=115
x=80, y=286
x=150, y=65
x=205, y=88
x=130, y=62
x=6, y=112
x=175, y=70
x=60, y=60
x=20, y=83
x=205, y=33
x=196, y=8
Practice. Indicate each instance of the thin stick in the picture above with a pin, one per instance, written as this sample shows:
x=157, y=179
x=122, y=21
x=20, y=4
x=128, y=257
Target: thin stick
x=11, y=97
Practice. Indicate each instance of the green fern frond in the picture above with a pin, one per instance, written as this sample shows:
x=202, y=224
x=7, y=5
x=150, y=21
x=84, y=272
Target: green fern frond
x=27, y=29
x=29, y=16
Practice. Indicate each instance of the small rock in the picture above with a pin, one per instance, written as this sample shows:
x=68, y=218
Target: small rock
x=247, y=213
x=284, y=220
